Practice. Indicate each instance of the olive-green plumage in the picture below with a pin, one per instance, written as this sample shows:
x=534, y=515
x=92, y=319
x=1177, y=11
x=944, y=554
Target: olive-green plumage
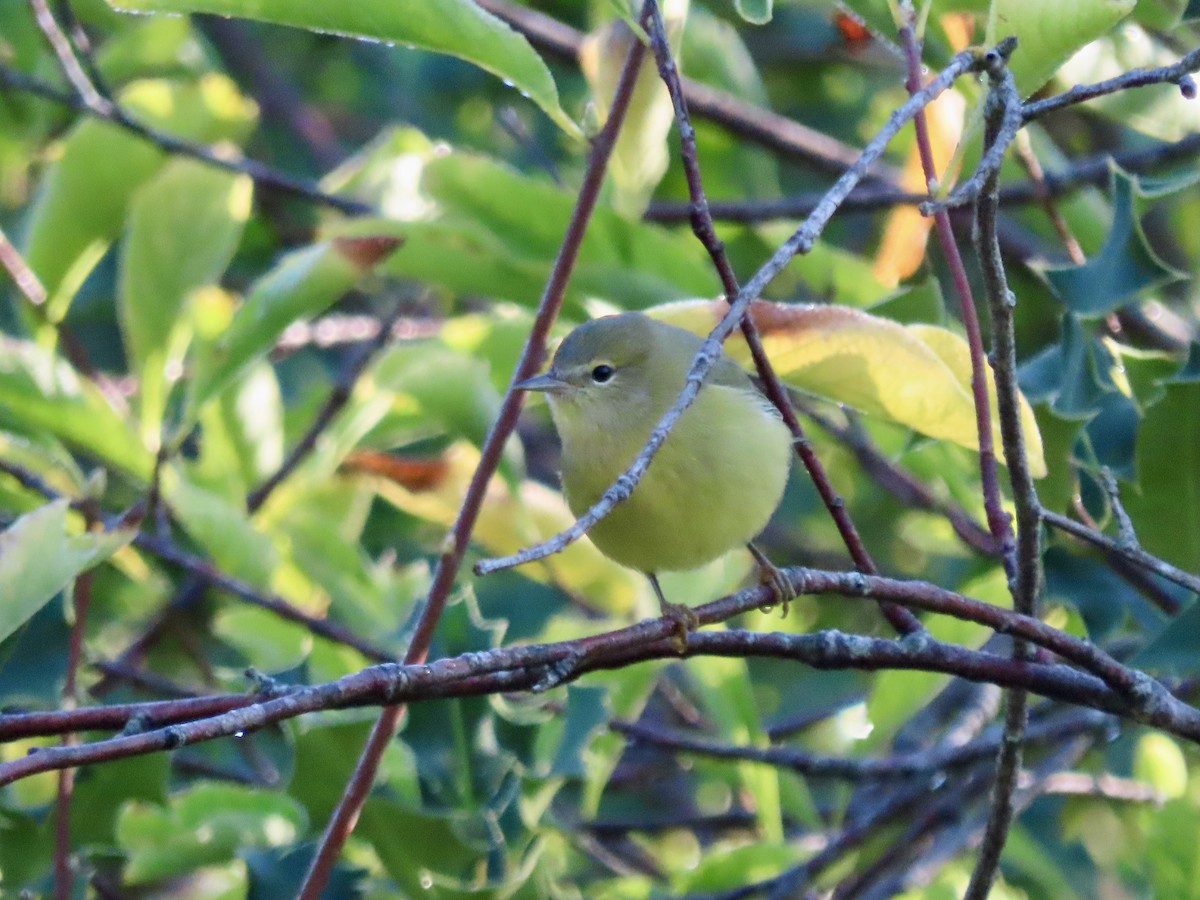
x=717, y=478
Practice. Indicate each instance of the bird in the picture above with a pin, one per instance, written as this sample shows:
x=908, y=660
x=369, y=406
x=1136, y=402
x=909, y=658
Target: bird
x=715, y=481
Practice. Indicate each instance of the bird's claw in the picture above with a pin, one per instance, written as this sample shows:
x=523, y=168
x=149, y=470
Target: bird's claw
x=771, y=575
x=685, y=621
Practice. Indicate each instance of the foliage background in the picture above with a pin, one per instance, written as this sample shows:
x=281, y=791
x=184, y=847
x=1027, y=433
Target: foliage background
x=188, y=307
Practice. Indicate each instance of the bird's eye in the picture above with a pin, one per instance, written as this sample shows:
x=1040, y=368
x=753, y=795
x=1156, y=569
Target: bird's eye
x=602, y=373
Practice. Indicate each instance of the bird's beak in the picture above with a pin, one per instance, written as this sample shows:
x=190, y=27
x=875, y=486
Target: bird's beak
x=546, y=383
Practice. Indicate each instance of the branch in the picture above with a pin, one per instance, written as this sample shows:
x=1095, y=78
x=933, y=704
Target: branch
x=60, y=46
x=801, y=241
x=342, y=821
x=523, y=667
x=1025, y=582
x=520, y=668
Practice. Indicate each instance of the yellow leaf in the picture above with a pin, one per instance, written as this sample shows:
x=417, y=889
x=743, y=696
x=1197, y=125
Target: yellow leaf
x=918, y=376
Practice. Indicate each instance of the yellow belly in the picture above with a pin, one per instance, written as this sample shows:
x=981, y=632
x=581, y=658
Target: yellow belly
x=709, y=489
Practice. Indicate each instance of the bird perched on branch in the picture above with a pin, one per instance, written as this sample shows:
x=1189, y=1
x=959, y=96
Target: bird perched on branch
x=714, y=482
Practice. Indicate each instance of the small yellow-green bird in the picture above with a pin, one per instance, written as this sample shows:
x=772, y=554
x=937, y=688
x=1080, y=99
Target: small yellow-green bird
x=715, y=481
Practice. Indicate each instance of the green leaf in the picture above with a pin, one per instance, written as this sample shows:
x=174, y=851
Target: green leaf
x=586, y=713
x=1101, y=596
x=436, y=386
x=1165, y=507
x=266, y=641
x=39, y=557
x=434, y=844
x=729, y=699
x=729, y=867
x=202, y=826
x=852, y=357
x=1112, y=433
x=1049, y=33
x=303, y=284
x=756, y=12
x=1161, y=15
x=466, y=227
x=1171, y=840
x=457, y=27
x=184, y=225
x=81, y=205
x=100, y=794
x=1125, y=266
x=222, y=527
x=279, y=872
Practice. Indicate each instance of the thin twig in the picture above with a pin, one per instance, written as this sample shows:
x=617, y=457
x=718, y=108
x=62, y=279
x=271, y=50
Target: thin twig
x=338, y=397
x=1008, y=123
x=224, y=157
x=1135, y=555
x=1090, y=170
x=60, y=46
x=705, y=231
x=1177, y=73
x=923, y=763
x=960, y=826
x=81, y=596
x=22, y=276
x=1023, y=151
x=32, y=289
x=800, y=242
x=997, y=519
x=344, y=816
x=1110, y=787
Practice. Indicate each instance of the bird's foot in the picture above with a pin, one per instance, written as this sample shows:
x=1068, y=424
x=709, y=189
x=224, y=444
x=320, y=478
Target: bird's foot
x=685, y=621
x=774, y=577
x=684, y=617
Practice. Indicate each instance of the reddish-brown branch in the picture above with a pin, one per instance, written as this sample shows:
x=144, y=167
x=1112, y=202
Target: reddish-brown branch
x=345, y=815
x=1106, y=686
